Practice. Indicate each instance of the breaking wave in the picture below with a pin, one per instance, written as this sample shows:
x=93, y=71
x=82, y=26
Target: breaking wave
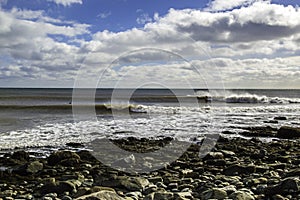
x=229, y=97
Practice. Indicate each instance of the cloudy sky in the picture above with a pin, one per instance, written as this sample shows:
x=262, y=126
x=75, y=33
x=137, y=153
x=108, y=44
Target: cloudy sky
x=130, y=43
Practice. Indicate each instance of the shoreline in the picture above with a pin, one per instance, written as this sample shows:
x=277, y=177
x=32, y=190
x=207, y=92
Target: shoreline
x=235, y=169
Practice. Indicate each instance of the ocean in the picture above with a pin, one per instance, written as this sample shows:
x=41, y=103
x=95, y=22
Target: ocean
x=43, y=118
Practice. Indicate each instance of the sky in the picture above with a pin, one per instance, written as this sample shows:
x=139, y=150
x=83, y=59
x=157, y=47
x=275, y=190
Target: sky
x=140, y=43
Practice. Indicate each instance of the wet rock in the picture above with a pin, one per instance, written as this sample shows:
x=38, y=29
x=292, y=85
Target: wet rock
x=286, y=186
x=293, y=172
x=67, y=158
x=20, y=155
x=163, y=195
x=286, y=132
x=238, y=170
x=280, y=118
x=155, y=179
x=214, y=193
x=109, y=195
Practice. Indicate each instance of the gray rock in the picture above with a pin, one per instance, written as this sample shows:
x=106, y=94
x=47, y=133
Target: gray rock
x=242, y=194
x=183, y=195
x=34, y=167
x=214, y=193
x=107, y=195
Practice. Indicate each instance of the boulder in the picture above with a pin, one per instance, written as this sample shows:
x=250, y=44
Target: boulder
x=242, y=194
x=62, y=157
x=286, y=132
x=280, y=118
x=104, y=194
x=286, y=186
x=34, y=167
x=214, y=193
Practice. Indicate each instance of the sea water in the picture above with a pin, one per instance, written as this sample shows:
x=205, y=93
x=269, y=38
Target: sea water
x=33, y=117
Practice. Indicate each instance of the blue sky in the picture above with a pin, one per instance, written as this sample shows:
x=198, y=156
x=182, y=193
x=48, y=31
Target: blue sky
x=251, y=43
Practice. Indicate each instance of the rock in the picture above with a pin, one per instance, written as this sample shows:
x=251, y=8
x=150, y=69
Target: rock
x=155, y=179
x=66, y=198
x=280, y=118
x=105, y=194
x=163, y=195
x=293, y=172
x=214, y=155
x=183, y=195
x=278, y=197
x=286, y=186
x=100, y=188
x=286, y=132
x=125, y=162
x=238, y=170
x=214, y=193
x=34, y=167
x=58, y=187
x=20, y=155
x=242, y=194
x=134, y=184
x=63, y=156
x=134, y=195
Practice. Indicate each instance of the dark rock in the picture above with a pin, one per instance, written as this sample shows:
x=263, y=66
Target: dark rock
x=214, y=193
x=66, y=157
x=271, y=122
x=286, y=132
x=286, y=186
x=238, y=170
x=74, y=145
x=293, y=172
x=280, y=118
x=20, y=155
x=163, y=195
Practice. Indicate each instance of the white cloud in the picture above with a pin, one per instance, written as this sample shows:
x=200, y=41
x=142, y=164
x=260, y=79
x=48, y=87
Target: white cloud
x=144, y=18
x=222, y=5
x=67, y=2
x=104, y=15
x=267, y=32
x=260, y=21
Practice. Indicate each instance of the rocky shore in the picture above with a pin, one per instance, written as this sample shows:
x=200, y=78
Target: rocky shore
x=236, y=169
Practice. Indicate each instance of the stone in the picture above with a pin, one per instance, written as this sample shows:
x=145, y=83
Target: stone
x=20, y=155
x=280, y=118
x=238, y=170
x=242, y=194
x=286, y=132
x=293, y=172
x=34, y=167
x=101, y=195
x=183, y=195
x=278, y=197
x=286, y=186
x=63, y=156
x=163, y=195
x=155, y=179
x=66, y=198
x=214, y=193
